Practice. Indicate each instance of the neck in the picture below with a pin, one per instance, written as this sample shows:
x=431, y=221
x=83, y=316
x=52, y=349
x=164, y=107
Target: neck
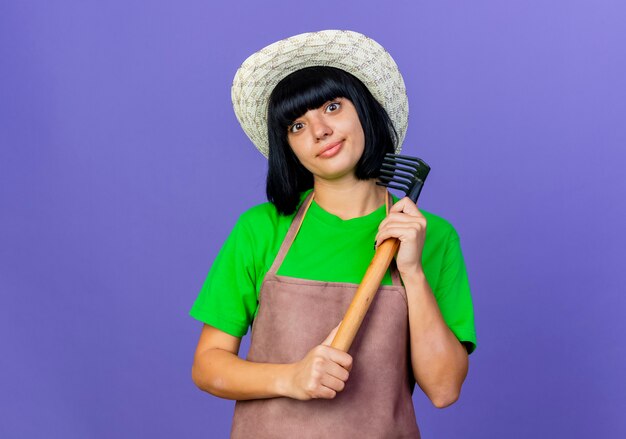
x=349, y=199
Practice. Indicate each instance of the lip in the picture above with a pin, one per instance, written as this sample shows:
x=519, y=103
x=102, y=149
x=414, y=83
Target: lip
x=331, y=150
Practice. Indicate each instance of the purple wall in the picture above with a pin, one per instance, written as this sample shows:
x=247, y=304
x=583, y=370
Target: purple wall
x=123, y=168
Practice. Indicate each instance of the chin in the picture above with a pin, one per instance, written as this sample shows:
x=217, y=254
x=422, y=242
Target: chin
x=336, y=172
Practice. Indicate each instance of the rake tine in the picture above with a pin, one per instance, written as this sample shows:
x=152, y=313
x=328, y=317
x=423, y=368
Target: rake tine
x=402, y=166
x=407, y=166
x=404, y=173
x=410, y=161
x=404, y=185
x=393, y=186
x=407, y=157
x=390, y=175
x=403, y=163
x=386, y=169
x=395, y=179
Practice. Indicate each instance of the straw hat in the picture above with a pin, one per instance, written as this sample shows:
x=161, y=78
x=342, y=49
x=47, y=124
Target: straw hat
x=350, y=51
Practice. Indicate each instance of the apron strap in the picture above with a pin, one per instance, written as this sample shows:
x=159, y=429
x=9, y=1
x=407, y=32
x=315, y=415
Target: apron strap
x=294, y=228
x=291, y=233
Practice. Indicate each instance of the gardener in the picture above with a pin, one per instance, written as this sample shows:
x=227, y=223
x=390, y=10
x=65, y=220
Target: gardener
x=325, y=107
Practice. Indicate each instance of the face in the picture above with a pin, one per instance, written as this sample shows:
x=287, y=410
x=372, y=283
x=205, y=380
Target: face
x=328, y=140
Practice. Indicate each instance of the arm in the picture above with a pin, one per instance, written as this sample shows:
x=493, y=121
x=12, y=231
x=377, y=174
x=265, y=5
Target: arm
x=218, y=370
x=439, y=360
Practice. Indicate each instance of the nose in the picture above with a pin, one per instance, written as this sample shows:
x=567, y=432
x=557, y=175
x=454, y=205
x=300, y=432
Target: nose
x=320, y=127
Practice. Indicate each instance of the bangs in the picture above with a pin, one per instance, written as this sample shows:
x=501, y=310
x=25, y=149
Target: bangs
x=305, y=90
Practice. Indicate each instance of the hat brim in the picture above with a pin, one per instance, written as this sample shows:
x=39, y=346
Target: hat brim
x=350, y=51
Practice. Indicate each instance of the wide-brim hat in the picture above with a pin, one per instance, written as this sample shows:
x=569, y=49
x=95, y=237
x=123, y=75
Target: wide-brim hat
x=350, y=51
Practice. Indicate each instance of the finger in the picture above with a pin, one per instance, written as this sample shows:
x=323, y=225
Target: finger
x=329, y=339
x=405, y=205
x=341, y=358
x=332, y=383
x=414, y=223
x=337, y=371
x=325, y=393
x=402, y=233
x=401, y=216
x=402, y=220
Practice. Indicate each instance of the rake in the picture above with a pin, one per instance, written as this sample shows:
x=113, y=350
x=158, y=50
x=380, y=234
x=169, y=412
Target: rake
x=400, y=172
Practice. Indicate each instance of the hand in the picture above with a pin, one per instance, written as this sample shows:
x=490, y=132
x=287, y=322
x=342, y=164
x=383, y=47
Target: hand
x=321, y=373
x=406, y=223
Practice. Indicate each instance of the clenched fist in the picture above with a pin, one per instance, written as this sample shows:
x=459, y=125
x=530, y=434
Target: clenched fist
x=321, y=373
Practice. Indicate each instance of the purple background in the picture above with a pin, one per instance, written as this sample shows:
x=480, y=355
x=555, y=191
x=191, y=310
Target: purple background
x=123, y=169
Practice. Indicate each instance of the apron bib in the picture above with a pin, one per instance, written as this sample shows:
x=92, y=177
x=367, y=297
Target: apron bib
x=296, y=315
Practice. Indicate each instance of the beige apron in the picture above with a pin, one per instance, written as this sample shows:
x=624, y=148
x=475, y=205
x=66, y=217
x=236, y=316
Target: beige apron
x=296, y=315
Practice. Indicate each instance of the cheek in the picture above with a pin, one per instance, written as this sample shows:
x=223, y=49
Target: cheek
x=295, y=147
x=359, y=135
x=300, y=153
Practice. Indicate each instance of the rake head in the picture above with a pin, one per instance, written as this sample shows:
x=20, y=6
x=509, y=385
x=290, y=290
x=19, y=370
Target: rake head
x=404, y=173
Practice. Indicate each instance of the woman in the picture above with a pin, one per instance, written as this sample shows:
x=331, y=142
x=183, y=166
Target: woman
x=325, y=107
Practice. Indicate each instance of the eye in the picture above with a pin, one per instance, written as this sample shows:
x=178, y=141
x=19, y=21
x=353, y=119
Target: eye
x=295, y=127
x=333, y=106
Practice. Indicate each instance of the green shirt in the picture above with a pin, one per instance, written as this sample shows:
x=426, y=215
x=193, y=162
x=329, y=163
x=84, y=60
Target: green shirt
x=327, y=248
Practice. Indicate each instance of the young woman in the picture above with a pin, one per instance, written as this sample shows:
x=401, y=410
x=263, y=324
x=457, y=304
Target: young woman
x=325, y=107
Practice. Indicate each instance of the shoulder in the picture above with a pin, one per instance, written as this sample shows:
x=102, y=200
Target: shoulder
x=262, y=223
x=264, y=214
x=261, y=212
x=259, y=220
x=260, y=230
x=440, y=225
x=440, y=233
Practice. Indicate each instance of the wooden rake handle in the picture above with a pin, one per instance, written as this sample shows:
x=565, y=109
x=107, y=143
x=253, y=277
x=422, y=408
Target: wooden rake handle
x=365, y=294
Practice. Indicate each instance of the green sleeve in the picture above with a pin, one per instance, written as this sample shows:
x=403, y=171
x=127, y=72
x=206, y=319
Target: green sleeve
x=228, y=299
x=453, y=293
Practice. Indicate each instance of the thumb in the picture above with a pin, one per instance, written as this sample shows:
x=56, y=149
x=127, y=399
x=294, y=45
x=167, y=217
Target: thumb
x=331, y=336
